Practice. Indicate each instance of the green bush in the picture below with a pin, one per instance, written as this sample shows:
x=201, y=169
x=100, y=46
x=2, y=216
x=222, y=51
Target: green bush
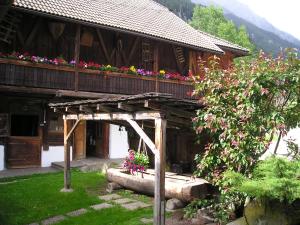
x=276, y=178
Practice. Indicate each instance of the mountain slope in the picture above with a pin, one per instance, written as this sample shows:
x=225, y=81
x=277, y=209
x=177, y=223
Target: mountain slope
x=243, y=11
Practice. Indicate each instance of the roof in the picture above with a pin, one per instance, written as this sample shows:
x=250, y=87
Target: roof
x=226, y=45
x=178, y=112
x=155, y=96
x=141, y=17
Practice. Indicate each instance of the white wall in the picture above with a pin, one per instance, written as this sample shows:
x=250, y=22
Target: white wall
x=118, y=142
x=54, y=154
x=2, y=160
x=282, y=148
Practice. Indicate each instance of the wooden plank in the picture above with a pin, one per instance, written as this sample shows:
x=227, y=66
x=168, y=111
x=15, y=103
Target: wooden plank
x=143, y=135
x=146, y=115
x=76, y=55
x=160, y=163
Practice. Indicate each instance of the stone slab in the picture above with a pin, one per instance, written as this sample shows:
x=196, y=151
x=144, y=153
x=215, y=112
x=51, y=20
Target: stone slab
x=123, y=200
x=109, y=197
x=101, y=206
x=240, y=221
x=146, y=220
x=135, y=205
x=53, y=220
x=33, y=224
x=77, y=212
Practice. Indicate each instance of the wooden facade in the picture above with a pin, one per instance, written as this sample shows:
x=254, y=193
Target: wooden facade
x=47, y=37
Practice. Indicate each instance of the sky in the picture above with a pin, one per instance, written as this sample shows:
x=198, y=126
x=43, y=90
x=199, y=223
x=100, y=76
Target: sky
x=285, y=15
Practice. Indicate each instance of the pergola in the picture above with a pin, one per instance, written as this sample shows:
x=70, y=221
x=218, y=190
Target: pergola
x=156, y=110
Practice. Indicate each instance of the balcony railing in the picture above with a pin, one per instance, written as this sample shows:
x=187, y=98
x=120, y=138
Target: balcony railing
x=22, y=73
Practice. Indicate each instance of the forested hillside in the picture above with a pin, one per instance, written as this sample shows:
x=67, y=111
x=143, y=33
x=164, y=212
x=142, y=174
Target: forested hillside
x=262, y=39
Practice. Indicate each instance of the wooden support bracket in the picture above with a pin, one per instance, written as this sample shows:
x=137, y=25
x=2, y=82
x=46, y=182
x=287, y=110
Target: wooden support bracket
x=143, y=135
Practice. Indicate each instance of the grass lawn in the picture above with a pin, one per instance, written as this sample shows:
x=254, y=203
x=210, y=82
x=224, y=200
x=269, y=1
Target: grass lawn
x=29, y=199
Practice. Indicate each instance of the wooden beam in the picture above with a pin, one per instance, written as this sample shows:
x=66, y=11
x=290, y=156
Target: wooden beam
x=34, y=31
x=86, y=109
x=70, y=110
x=169, y=109
x=76, y=55
x=125, y=107
x=72, y=129
x=178, y=63
x=20, y=38
x=141, y=115
x=133, y=48
x=156, y=65
x=102, y=43
x=67, y=171
x=160, y=163
x=104, y=108
x=143, y=135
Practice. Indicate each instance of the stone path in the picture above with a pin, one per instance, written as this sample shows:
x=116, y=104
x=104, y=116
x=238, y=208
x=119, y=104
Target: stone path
x=26, y=172
x=110, y=201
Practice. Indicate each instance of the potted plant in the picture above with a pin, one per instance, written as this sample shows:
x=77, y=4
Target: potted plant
x=136, y=162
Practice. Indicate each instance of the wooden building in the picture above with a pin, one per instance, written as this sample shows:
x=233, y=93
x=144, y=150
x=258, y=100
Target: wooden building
x=53, y=51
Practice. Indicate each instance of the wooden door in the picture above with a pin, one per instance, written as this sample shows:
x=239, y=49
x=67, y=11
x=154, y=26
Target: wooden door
x=79, y=151
x=23, y=152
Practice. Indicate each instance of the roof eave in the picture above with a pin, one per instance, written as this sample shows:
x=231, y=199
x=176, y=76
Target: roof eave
x=239, y=52
x=97, y=25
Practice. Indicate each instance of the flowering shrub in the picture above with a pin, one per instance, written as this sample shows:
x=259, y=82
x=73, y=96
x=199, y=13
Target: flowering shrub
x=60, y=61
x=136, y=162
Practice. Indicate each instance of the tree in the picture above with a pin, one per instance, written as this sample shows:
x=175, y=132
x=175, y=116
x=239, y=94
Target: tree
x=211, y=19
x=245, y=107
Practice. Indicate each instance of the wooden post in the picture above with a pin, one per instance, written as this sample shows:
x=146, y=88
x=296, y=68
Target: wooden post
x=76, y=55
x=67, y=172
x=159, y=189
x=156, y=65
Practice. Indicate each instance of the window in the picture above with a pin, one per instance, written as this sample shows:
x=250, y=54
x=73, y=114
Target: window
x=56, y=124
x=24, y=125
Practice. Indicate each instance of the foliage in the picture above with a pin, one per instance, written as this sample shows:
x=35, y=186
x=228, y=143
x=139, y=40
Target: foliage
x=245, y=106
x=136, y=162
x=273, y=179
x=211, y=19
x=183, y=8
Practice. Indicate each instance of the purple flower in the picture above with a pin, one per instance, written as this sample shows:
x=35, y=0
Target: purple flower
x=72, y=62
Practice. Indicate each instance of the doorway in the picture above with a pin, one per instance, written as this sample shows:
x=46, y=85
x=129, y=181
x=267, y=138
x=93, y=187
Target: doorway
x=95, y=139
x=24, y=143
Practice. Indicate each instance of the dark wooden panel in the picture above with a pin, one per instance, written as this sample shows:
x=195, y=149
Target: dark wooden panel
x=23, y=152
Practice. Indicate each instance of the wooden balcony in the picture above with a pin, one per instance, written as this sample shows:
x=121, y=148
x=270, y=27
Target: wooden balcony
x=37, y=75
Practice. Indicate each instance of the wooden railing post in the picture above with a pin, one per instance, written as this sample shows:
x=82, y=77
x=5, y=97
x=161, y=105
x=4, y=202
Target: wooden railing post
x=76, y=55
x=159, y=189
